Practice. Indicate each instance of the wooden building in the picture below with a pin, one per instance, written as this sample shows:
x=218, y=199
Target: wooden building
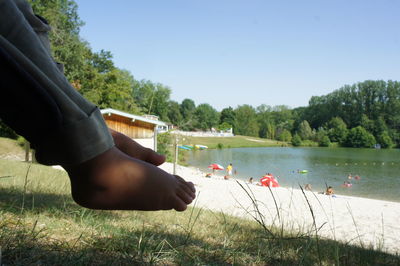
x=140, y=128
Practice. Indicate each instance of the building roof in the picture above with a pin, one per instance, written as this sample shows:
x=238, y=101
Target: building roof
x=133, y=117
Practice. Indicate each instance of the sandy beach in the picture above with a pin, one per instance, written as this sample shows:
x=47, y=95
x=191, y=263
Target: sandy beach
x=359, y=221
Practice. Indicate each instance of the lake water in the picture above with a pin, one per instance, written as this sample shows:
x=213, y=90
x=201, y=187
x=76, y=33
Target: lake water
x=379, y=169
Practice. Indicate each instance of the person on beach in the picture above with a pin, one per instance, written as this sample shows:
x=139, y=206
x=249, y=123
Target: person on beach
x=347, y=184
x=308, y=187
x=107, y=169
x=349, y=177
x=229, y=169
x=250, y=180
x=329, y=191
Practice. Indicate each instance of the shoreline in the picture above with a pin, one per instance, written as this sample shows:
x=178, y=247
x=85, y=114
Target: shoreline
x=361, y=221
x=317, y=191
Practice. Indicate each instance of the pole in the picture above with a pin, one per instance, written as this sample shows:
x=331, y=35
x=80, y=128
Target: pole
x=27, y=150
x=155, y=139
x=176, y=155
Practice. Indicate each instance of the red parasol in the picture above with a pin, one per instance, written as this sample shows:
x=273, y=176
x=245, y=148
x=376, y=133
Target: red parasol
x=269, y=181
x=215, y=166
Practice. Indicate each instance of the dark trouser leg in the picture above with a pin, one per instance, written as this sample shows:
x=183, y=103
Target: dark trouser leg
x=24, y=105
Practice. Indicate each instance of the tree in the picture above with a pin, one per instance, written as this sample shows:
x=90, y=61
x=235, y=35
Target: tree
x=111, y=90
x=385, y=140
x=320, y=134
x=174, y=113
x=206, y=117
x=392, y=107
x=187, y=108
x=395, y=136
x=246, y=121
x=296, y=140
x=227, y=116
x=143, y=92
x=102, y=61
x=160, y=101
x=367, y=123
x=379, y=126
x=337, y=130
x=265, y=122
x=304, y=130
x=283, y=126
x=324, y=142
x=358, y=137
x=285, y=136
x=67, y=47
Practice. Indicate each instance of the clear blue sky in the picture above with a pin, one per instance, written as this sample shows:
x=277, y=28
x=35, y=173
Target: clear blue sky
x=230, y=52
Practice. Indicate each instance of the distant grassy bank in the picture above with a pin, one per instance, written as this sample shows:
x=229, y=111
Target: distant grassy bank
x=234, y=142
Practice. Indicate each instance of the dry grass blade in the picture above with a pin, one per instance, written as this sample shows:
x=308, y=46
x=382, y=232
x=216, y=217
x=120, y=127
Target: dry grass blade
x=25, y=185
x=355, y=225
x=314, y=223
x=259, y=220
x=276, y=204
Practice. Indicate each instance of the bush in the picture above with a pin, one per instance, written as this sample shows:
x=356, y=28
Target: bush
x=224, y=126
x=21, y=141
x=164, y=144
x=296, y=140
x=220, y=146
x=285, y=136
x=337, y=130
x=324, y=142
x=309, y=143
x=358, y=137
x=385, y=140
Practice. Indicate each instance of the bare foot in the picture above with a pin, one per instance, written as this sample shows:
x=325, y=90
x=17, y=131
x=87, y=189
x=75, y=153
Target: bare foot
x=135, y=150
x=114, y=180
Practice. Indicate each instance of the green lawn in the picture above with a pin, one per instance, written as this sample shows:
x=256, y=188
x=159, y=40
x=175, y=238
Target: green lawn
x=41, y=225
x=234, y=142
x=10, y=146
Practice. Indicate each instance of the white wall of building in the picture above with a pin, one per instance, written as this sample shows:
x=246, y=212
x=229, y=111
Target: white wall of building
x=148, y=143
x=204, y=133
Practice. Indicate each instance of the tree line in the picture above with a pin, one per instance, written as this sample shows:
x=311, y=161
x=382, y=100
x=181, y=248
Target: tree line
x=358, y=115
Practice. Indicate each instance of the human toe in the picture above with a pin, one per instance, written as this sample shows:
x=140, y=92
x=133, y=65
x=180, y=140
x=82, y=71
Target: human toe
x=180, y=205
x=190, y=185
x=184, y=196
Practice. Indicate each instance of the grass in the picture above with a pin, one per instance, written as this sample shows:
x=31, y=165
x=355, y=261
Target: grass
x=10, y=147
x=41, y=225
x=234, y=142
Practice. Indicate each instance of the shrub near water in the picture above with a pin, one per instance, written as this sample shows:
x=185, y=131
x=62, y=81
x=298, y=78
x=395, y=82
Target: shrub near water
x=296, y=140
x=40, y=224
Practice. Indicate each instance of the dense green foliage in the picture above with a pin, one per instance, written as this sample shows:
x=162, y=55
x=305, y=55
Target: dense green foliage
x=296, y=140
x=357, y=115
